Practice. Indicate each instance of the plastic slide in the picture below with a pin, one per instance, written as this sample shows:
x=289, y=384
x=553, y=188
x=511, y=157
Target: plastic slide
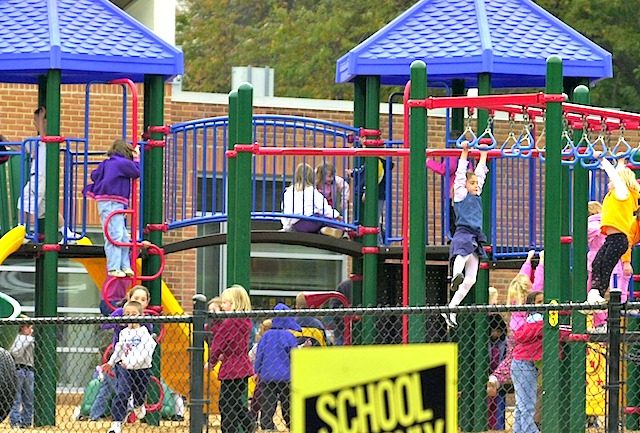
x=175, y=356
x=11, y=242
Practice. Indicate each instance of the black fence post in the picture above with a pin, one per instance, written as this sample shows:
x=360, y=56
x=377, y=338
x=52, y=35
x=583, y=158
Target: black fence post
x=196, y=420
x=613, y=370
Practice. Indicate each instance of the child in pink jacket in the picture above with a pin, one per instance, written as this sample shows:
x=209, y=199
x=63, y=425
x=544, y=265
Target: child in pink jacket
x=518, y=290
x=622, y=271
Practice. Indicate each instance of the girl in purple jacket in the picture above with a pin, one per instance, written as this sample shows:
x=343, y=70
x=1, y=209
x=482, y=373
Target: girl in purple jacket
x=111, y=188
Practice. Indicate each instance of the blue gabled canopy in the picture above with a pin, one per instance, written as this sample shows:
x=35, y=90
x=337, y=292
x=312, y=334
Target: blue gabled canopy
x=89, y=40
x=458, y=39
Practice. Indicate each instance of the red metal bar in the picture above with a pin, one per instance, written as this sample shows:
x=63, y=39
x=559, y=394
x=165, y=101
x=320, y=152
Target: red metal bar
x=370, y=250
x=231, y=154
x=367, y=142
x=164, y=130
x=485, y=101
x=370, y=132
x=156, y=227
x=630, y=410
x=636, y=278
x=601, y=112
x=405, y=216
x=566, y=239
x=127, y=83
x=484, y=265
x=256, y=149
x=52, y=139
x=579, y=337
x=51, y=247
x=362, y=230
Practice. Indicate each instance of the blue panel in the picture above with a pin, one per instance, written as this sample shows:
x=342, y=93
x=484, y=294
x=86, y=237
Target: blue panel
x=511, y=39
x=87, y=39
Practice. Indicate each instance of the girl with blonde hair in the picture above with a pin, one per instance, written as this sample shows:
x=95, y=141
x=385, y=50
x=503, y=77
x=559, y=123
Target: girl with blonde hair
x=618, y=209
x=517, y=292
x=302, y=199
x=231, y=346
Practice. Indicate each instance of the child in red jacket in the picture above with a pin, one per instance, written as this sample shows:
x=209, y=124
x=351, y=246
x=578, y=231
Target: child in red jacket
x=231, y=346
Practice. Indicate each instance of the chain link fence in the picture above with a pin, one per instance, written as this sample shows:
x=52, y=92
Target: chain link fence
x=563, y=367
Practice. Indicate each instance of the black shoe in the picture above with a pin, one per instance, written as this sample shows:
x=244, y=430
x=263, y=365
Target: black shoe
x=456, y=281
x=177, y=418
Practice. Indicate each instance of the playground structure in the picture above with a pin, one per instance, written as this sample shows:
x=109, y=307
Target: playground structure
x=195, y=152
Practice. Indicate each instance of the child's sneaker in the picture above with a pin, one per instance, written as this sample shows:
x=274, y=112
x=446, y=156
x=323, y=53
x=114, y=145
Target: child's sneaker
x=116, y=427
x=456, y=281
x=116, y=273
x=128, y=272
x=593, y=297
x=140, y=412
x=451, y=319
x=69, y=234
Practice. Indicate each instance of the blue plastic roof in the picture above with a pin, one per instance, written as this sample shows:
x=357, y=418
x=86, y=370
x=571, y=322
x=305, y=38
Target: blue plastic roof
x=89, y=40
x=458, y=39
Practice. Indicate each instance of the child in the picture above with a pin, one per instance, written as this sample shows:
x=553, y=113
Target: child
x=21, y=415
x=111, y=188
x=497, y=353
x=273, y=368
x=447, y=169
x=517, y=292
x=621, y=272
x=333, y=187
x=466, y=246
x=255, y=399
x=302, y=198
x=32, y=202
x=524, y=372
x=138, y=294
x=133, y=353
x=230, y=345
x=618, y=208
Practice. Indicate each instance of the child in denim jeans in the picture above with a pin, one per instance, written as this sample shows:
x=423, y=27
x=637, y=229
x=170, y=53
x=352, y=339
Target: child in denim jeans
x=21, y=414
x=111, y=188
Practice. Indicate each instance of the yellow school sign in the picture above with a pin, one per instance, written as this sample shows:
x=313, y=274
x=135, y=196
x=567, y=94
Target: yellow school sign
x=375, y=389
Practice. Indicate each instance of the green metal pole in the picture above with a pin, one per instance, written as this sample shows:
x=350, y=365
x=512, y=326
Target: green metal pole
x=232, y=197
x=481, y=336
x=243, y=184
x=45, y=357
x=371, y=217
x=154, y=169
x=357, y=265
x=417, y=201
x=552, y=230
x=578, y=370
x=457, y=114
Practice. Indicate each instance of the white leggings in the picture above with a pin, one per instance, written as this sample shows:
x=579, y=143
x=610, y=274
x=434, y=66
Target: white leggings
x=469, y=264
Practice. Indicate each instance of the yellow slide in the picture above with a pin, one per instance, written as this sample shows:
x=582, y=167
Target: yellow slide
x=11, y=242
x=175, y=356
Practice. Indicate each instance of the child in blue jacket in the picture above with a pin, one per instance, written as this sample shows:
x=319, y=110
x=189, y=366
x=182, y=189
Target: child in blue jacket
x=273, y=368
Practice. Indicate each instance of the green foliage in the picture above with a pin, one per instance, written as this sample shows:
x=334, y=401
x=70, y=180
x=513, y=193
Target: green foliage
x=612, y=24
x=302, y=39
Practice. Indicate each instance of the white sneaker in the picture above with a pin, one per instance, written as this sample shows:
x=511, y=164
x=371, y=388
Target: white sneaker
x=116, y=427
x=70, y=235
x=128, y=272
x=593, y=297
x=140, y=412
x=116, y=273
x=451, y=319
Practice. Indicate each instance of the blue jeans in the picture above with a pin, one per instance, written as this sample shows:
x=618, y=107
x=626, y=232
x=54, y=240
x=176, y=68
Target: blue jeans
x=117, y=257
x=21, y=414
x=105, y=393
x=524, y=376
x=129, y=383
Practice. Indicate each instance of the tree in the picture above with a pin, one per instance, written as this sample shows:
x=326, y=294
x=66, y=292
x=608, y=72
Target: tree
x=612, y=24
x=302, y=39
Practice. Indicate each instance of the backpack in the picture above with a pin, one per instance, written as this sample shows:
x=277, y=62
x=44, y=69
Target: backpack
x=316, y=336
